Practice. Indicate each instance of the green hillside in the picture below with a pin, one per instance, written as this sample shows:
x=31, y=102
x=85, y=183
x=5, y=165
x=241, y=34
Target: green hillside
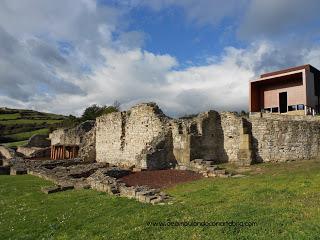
x=18, y=125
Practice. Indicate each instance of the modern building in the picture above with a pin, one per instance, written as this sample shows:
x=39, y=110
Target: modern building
x=291, y=91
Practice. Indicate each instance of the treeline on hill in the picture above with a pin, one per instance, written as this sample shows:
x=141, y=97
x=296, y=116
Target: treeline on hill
x=90, y=113
x=18, y=125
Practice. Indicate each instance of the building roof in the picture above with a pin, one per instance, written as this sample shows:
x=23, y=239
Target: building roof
x=307, y=67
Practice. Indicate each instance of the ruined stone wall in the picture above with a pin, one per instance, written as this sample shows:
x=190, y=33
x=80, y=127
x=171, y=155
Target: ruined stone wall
x=232, y=127
x=71, y=136
x=87, y=147
x=278, y=139
x=139, y=137
x=209, y=136
x=82, y=135
x=144, y=137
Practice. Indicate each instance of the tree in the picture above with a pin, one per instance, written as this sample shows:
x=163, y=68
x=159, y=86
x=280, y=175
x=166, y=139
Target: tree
x=94, y=111
x=91, y=113
x=70, y=121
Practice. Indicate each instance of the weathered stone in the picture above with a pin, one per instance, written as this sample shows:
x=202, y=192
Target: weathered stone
x=39, y=141
x=51, y=189
x=140, y=137
x=6, y=153
x=4, y=170
x=18, y=171
x=66, y=187
x=34, y=152
x=238, y=176
x=199, y=161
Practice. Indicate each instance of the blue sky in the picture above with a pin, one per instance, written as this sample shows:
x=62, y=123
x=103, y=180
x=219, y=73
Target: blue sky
x=186, y=55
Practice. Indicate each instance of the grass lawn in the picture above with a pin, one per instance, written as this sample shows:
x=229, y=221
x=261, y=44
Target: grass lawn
x=26, y=135
x=10, y=116
x=29, y=121
x=16, y=144
x=283, y=199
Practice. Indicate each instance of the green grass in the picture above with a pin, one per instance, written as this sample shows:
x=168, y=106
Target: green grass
x=283, y=200
x=29, y=121
x=16, y=144
x=10, y=116
x=26, y=135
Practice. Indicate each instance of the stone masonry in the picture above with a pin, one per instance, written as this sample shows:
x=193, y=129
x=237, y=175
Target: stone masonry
x=143, y=137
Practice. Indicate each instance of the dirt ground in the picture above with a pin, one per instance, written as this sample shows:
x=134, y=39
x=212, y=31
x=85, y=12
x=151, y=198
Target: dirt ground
x=160, y=178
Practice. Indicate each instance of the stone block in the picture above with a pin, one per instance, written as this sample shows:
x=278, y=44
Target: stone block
x=220, y=172
x=4, y=170
x=211, y=174
x=212, y=168
x=148, y=199
x=199, y=161
x=48, y=190
x=156, y=200
x=66, y=187
x=208, y=163
x=18, y=171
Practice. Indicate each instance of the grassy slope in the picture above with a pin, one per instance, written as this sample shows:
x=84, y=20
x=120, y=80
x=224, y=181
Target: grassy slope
x=284, y=201
x=16, y=125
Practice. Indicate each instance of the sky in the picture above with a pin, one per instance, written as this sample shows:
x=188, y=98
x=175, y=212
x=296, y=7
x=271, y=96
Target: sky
x=187, y=56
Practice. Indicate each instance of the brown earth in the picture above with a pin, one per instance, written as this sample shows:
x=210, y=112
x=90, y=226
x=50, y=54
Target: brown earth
x=160, y=178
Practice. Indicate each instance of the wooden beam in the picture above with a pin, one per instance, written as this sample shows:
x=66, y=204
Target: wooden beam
x=63, y=152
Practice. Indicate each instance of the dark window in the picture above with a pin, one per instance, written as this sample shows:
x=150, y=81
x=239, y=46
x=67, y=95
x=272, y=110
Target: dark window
x=267, y=109
x=300, y=107
x=292, y=108
x=275, y=109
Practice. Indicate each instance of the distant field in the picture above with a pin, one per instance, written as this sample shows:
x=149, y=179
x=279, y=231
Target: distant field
x=26, y=135
x=281, y=199
x=18, y=125
x=16, y=144
x=28, y=121
x=10, y=116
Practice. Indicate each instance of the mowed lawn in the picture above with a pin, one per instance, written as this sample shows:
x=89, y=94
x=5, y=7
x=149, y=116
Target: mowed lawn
x=283, y=199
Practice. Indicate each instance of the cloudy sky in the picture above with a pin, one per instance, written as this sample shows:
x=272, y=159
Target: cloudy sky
x=187, y=55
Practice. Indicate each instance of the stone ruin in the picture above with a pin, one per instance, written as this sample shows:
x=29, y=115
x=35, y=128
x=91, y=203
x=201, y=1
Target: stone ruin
x=143, y=138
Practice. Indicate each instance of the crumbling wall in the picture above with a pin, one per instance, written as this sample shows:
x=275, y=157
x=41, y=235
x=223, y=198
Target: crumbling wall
x=38, y=140
x=145, y=138
x=71, y=136
x=232, y=127
x=82, y=136
x=87, y=147
x=135, y=138
x=210, y=136
x=278, y=139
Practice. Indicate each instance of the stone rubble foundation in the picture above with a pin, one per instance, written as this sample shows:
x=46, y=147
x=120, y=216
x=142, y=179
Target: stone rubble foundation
x=76, y=174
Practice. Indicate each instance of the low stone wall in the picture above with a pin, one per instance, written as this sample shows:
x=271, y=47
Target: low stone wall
x=38, y=140
x=276, y=140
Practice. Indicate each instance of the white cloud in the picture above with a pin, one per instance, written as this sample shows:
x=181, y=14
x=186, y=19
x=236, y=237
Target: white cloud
x=105, y=62
x=273, y=18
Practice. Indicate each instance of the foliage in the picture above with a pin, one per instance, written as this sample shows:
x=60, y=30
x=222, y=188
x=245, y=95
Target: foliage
x=283, y=199
x=94, y=111
x=69, y=122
